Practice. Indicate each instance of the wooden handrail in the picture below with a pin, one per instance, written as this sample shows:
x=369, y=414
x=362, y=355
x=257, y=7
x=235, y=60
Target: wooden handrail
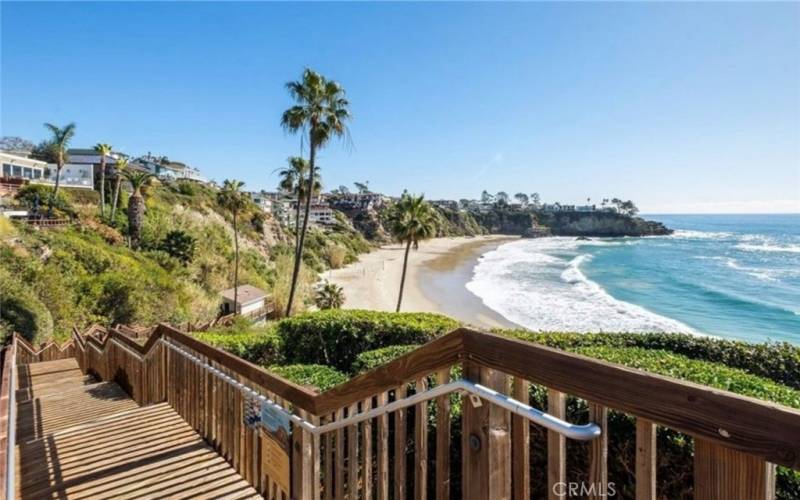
x=7, y=419
x=755, y=427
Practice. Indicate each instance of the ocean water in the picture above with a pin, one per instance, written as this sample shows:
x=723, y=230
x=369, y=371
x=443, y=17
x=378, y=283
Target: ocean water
x=731, y=276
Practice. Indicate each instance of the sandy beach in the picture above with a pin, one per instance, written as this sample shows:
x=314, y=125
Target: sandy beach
x=437, y=274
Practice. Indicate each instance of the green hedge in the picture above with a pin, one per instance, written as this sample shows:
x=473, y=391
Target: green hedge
x=336, y=337
x=262, y=348
x=372, y=359
x=778, y=361
x=320, y=377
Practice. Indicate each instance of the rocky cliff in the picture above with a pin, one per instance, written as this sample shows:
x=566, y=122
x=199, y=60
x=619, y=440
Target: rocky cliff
x=599, y=224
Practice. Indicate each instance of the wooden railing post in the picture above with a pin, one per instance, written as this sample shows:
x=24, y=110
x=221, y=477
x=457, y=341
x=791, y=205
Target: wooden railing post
x=486, y=444
x=721, y=473
x=305, y=463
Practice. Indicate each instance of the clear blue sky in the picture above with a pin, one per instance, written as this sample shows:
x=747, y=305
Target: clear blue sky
x=682, y=107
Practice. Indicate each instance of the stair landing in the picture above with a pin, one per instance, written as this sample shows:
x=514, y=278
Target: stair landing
x=77, y=438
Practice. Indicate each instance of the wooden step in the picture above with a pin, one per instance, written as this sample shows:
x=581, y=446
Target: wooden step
x=54, y=388
x=47, y=372
x=41, y=416
x=148, y=452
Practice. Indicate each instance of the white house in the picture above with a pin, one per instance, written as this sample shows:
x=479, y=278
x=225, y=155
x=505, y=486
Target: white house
x=321, y=214
x=72, y=175
x=21, y=167
x=252, y=302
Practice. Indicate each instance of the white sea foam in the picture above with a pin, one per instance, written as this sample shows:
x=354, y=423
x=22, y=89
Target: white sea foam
x=540, y=285
x=768, y=247
x=762, y=274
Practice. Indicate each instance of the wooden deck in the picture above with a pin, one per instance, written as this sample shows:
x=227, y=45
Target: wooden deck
x=81, y=439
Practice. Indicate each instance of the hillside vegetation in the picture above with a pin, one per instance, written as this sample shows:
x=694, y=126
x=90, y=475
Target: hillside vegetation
x=52, y=280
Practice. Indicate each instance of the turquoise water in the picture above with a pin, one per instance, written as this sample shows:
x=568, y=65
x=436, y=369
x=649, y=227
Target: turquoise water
x=732, y=276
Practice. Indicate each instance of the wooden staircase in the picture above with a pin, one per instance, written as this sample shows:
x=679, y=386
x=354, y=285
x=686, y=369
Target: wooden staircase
x=79, y=438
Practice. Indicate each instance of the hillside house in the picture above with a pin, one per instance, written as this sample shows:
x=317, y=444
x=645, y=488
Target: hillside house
x=251, y=302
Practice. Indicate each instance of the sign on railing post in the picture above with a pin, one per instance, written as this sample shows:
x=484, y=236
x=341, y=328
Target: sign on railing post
x=276, y=432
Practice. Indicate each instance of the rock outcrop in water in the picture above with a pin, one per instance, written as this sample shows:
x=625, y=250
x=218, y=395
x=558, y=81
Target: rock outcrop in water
x=608, y=224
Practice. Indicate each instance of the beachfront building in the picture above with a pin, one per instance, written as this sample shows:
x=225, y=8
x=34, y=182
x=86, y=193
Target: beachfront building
x=245, y=300
x=73, y=175
x=445, y=204
x=20, y=167
x=358, y=201
x=585, y=208
x=263, y=202
x=321, y=214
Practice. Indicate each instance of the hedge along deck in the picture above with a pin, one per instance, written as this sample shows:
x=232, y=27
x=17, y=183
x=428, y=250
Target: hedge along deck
x=735, y=436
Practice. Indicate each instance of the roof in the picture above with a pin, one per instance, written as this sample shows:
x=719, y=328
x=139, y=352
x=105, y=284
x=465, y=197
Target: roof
x=247, y=293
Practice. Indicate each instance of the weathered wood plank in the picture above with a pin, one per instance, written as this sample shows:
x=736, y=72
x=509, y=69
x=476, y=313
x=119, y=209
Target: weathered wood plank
x=521, y=444
x=421, y=444
x=556, y=445
x=721, y=473
x=598, y=454
x=645, y=460
x=400, y=443
x=443, y=439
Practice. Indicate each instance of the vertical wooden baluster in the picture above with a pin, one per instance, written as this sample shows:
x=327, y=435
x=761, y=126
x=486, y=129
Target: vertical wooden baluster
x=305, y=478
x=556, y=445
x=366, y=452
x=339, y=458
x=382, y=458
x=521, y=444
x=443, y=439
x=421, y=444
x=486, y=441
x=598, y=454
x=721, y=473
x=352, y=455
x=645, y=459
x=400, y=446
x=330, y=457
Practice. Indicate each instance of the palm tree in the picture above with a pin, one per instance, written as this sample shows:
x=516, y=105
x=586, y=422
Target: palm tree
x=330, y=296
x=138, y=181
x=413, y=221
x=103, y=150
x=232, y=198
x=321, y=110
x=293, y=181
x=120, y=167
x=59, y=141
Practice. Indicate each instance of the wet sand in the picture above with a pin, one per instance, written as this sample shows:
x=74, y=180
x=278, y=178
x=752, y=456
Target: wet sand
x=435, y=281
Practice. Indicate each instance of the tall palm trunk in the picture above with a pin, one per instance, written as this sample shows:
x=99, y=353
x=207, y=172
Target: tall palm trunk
x=103, y=185
x=135, y=217
x=59, y=166
x=297, y=224
x=116, y=197
x=236, y=264
x=298, y=258
x=403, y=278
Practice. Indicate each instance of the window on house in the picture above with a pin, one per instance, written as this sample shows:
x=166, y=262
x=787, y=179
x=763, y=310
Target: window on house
x=27, y=172
x=6, y=169
x=37, y=174
x=17, y=170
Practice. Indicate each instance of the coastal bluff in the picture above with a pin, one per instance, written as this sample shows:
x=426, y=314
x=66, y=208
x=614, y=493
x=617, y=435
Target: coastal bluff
x=535, y=223
x=599, y=224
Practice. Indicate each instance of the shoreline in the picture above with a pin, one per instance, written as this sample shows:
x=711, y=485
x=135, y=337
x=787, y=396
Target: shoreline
x=435, y=281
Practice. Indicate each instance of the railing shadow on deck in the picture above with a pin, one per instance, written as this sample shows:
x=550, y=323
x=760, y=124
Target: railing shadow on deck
x=412, y=451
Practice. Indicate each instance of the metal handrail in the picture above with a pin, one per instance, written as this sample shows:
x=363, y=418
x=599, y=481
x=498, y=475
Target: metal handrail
x=585, y=432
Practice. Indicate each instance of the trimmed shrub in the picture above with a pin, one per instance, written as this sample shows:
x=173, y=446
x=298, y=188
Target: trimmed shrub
x=38, y=195
x=320, y=377
x=335, y=337
x=778, y=361
x=372, y=359
x=261, y=348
